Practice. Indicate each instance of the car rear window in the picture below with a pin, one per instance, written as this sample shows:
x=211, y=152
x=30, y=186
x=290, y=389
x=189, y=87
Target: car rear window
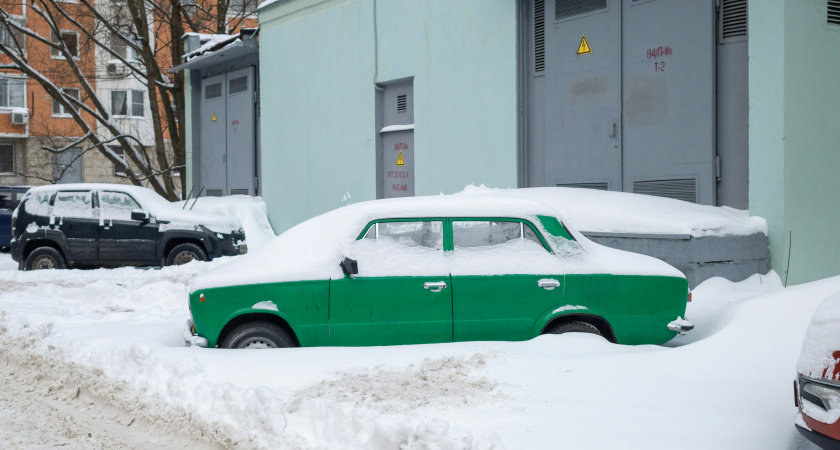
x=485, y=233
x=38, y=204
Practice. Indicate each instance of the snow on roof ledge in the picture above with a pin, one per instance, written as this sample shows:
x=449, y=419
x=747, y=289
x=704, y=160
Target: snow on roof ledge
x=609, y=212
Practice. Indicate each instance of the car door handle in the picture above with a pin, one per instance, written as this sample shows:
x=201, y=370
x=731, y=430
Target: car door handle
x=435, y=286
x=548, y=283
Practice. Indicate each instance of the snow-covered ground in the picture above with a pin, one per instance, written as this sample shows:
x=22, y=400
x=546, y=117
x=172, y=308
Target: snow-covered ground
x=106, y=345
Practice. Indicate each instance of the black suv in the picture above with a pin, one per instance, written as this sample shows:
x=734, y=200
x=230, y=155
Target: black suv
x=73, y=225
x=9, y=199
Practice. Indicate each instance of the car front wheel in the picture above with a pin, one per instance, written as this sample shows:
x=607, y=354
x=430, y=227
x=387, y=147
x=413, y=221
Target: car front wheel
x=45, y=258
x=573, y=326
x=184, y=253
x=258, y=335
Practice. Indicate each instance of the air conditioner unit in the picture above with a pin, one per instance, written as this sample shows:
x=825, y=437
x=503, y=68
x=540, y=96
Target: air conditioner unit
x=115, y=68
x=20, y=118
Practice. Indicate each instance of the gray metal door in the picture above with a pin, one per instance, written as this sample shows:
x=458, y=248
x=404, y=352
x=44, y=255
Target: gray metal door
x=669, y=98
x=67, y=167
x=583, y=93
x=396, y=175
x=213, y=157
x=240, y=132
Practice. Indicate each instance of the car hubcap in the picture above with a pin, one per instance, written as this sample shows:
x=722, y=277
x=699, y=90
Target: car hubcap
x=185, y=257
x=44, y=262
x=258, y=343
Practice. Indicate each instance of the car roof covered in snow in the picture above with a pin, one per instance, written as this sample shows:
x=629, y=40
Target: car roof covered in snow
x=312, y=249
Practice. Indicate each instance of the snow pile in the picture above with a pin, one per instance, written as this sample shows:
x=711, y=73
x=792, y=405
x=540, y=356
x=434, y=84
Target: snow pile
x=249, y=211
x=593, y=210
x=822, y=340
x=313, y=249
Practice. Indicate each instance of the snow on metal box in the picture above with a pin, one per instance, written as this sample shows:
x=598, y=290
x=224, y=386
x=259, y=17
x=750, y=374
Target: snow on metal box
x=434, y=269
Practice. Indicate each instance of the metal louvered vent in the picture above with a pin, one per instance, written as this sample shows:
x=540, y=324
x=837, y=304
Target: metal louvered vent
x=539, y=35
x=212, y=91
x=834, y=12
x=599, y=186
x=685, y=190
x=733, y=20
x=239, y=192
x=238, y=84
x=569, y=8
x=259, y=104
x=214, y=192
x=402, y=103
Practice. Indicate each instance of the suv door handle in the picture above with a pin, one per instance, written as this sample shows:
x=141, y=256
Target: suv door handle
x=548, y=283
x=435, y=286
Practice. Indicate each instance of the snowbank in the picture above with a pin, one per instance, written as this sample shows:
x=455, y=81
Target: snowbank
x=591, y=210
x=249, y=211
x=313, y=249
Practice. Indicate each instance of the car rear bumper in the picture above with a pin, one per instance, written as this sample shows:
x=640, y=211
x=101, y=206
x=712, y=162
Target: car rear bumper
x=825, y=442
x=190, y=338
x=680, y=326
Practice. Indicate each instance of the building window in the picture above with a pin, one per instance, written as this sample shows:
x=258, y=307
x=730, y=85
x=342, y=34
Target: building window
x=243, y=7
x=7, y=158
x=12, y=93
x=71, y=40
x=121, y=47
x=58, y=110
x=127, y=103
x=8, y=36
x=118, y=170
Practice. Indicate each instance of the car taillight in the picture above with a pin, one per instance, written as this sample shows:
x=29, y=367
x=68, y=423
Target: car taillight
x=689, y=297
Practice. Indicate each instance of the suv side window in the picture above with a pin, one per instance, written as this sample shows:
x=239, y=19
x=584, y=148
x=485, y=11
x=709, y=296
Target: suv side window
x=426, y=233
x=73, y=204
x=38, y=204
x=485, y=233
x=116, y=205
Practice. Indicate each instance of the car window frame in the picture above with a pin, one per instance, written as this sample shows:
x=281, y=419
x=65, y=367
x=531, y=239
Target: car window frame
x=448, y=238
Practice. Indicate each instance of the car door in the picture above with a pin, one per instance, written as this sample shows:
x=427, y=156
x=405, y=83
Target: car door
x=502, y=279
x=402, y=293
x=73, y=216
x=122, y=239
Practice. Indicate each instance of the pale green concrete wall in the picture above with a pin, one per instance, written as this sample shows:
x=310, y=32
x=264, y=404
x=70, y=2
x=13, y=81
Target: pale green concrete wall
x=462, y=55
x=318, y=65
x=795, y=134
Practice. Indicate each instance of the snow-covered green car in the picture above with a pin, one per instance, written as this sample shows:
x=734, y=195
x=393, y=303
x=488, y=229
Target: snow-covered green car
x=434, y=269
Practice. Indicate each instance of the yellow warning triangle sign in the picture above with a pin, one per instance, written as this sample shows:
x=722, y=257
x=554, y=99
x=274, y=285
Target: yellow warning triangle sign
x=400, y=160
x=584, y=46
x=214, y=117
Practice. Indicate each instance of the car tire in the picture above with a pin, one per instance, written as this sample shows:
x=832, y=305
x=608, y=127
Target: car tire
x=258, y=335
x=573, y=326
x=184, y=253
x=45, y=258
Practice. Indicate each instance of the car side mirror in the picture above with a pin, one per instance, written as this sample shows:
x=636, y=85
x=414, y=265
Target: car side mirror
x=349, y=266
x=139, y=214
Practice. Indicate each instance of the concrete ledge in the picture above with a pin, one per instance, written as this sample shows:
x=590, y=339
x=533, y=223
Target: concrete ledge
x=699, y=258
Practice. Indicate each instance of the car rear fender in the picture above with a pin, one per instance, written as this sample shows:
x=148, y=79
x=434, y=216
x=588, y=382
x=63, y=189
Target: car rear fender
x=565, y=312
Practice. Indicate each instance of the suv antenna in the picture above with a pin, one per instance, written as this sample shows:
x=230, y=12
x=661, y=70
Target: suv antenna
x=187, y=200
x=196, y=198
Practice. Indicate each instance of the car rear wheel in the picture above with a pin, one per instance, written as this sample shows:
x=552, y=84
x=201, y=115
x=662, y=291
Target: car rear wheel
x=258, y=335
x=184, y=253
x=45, y=258
x=573, y=326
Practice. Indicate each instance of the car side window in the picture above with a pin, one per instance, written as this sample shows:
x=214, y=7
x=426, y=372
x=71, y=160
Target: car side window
x=74, y=204
x=116, y=205
x=427, y=233
x=7, y=200
x=485, y=233
x=38, y=204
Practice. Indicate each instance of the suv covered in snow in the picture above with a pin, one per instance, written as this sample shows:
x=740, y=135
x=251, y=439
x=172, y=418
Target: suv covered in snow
x=72, y=225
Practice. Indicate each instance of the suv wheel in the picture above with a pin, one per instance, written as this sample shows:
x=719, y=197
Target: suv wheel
x=44, y=258
x=258, y=335
x=184, y=253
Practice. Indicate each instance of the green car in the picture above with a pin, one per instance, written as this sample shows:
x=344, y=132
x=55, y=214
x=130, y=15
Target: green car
x=434, y=269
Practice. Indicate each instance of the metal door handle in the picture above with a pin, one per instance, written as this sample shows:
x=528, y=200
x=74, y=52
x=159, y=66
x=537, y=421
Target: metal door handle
x=435, y=286
x=548, y=284
x=614, y=130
